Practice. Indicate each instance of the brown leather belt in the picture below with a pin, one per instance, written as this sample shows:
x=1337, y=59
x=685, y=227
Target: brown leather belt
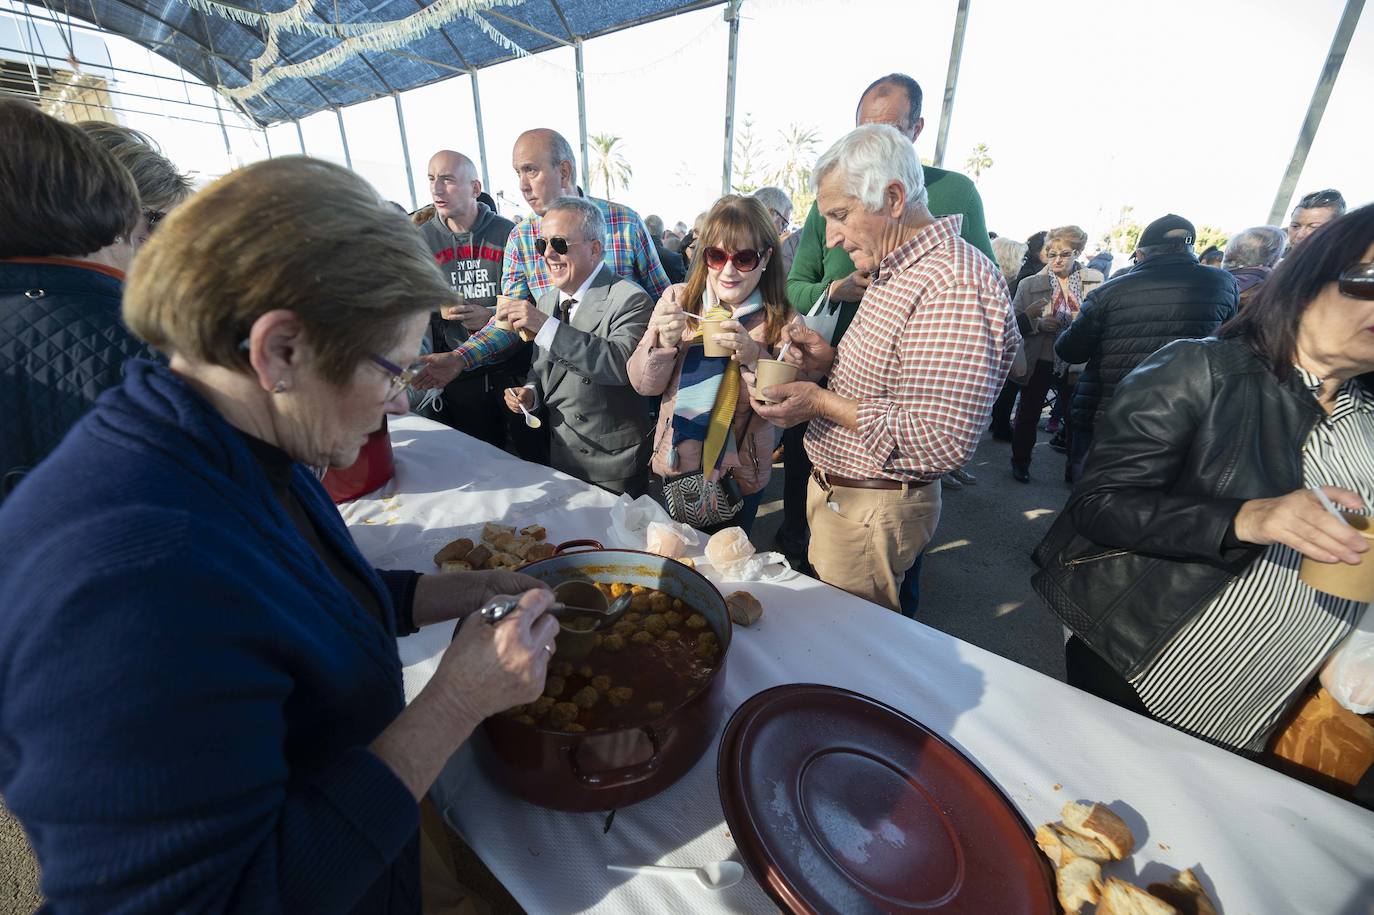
x=829, y=479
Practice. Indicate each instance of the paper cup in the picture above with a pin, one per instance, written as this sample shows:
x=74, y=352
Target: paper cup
x=709, y=329
x=772, y=372
x=1353, y=582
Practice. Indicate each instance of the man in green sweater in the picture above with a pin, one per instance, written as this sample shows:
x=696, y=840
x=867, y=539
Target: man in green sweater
x=819, y=271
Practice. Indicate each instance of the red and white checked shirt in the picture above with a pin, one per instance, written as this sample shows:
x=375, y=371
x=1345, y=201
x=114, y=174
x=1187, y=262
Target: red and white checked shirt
x=926, y=356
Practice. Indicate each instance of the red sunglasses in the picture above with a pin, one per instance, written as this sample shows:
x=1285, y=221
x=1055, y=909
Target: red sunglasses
x=744, y=261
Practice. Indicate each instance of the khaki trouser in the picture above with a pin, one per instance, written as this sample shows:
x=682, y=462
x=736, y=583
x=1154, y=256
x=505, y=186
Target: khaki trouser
x=865, y=544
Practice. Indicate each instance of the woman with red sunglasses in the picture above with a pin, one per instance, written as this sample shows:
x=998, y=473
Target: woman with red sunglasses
x=1176, y=562
x=705, y=411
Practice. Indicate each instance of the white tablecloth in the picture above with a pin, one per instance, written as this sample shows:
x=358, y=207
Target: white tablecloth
x=1265, y=843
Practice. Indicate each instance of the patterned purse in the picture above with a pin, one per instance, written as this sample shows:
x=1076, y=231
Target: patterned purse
x=694, y=500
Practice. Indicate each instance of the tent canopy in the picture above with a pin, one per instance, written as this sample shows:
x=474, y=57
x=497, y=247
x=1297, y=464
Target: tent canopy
x=281, y=60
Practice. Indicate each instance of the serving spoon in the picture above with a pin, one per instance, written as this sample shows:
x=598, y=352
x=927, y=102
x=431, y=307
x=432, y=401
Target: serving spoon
x=608, y=616
x=717, y=875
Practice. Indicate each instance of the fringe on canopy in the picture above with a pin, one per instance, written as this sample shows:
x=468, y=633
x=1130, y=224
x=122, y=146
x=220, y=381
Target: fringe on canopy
x=268, y=70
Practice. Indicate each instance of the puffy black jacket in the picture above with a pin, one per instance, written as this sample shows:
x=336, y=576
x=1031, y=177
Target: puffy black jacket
x=1145, y=541
x=1165, y=298
x=62, y=343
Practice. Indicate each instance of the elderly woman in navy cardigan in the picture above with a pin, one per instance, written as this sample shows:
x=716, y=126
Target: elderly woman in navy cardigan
x=202, y=706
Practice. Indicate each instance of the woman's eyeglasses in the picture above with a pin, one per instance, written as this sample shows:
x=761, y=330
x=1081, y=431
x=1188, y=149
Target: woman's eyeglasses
x=400, y=378
x=1357, y=281
x=558, y=243
x=744, y=261
x=1060, y=256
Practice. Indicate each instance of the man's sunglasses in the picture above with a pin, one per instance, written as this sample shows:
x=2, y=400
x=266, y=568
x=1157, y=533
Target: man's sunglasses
x=1357, y=281
x=744, y=261
x=558, y=243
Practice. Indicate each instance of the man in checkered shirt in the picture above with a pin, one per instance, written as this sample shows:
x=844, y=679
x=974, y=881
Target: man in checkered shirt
x=547, y=169
x=913, y=380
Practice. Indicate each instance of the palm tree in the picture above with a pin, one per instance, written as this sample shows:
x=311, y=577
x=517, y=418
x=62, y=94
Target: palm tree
x=608, y=164
x=978, y=161
x=797, y=151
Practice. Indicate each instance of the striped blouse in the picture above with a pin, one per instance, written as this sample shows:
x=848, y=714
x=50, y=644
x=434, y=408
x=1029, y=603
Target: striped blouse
x=1231, y=674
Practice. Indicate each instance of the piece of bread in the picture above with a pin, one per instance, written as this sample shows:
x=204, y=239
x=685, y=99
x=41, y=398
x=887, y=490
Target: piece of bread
x=502, y=542
x=534, y=532
x=1077, y=882
x=1122, y=898
x=491, y=529
x=539, y=551
x=506, y=561
x=1097, y=822
x=455, y=565
x=458, y=549
x=744, y=608
x=479, y=556
x=1185, y=894
x=1060, y=845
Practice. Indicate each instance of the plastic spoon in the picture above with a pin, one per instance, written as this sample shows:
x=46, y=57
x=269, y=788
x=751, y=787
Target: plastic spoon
x=717, y=875
x=1327, y=504
x=531, y=420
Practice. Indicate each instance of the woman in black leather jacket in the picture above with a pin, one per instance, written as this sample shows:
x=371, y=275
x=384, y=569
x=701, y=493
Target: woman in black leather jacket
x=1175, y=563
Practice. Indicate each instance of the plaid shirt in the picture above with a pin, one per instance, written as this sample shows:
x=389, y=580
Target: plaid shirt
x=926, y=356
x=629, y=252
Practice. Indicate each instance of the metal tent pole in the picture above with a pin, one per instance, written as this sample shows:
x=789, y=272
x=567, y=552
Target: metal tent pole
x=582, y=114
x=1340, y=43
x=343, y=135
x=405, y=152
x=300, y=135
x=732, y=17
x=267, y=141
x=481, y=131
x=956, y=54
x=228, y=150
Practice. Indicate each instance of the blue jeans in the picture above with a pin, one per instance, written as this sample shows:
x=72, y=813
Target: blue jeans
x=749, y=512
x=911, y=588
x=1079, y=443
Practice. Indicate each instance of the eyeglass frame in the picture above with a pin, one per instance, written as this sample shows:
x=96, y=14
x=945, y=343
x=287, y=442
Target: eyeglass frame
x=732, y=258
x=1357, y=281
x=400, y=378
x=542, y=244
x=1071, y=255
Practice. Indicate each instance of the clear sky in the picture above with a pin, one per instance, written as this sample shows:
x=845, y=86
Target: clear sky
x=1084, y=106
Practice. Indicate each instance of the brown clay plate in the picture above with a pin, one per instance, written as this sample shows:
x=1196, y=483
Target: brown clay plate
x=839, y=803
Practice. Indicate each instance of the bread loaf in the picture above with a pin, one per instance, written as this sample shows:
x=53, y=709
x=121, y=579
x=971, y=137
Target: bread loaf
x=1185, y=894
x=1122, y=898
x=1097, y=822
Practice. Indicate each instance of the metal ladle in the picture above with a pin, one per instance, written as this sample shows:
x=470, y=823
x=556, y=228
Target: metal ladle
x=608, y=616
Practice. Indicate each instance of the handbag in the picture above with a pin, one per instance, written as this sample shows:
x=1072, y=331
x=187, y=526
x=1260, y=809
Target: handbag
x=702, y=503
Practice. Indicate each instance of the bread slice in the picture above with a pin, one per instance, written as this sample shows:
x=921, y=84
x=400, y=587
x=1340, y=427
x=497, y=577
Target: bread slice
x=1078, y=881
x=534, y=531
x=1097, y=822
x=1060, y=845
x=455, y=565
x=458, y=549
x=1185, y=894
x=1122, y=898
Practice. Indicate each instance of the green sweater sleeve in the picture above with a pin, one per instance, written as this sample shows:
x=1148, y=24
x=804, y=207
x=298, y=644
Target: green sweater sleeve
x=975, y=230
x=807, y=280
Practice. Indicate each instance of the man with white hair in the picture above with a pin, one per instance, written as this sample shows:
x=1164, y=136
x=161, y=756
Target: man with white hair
x=779, y=207
x=913, y=380
x=1251, y=256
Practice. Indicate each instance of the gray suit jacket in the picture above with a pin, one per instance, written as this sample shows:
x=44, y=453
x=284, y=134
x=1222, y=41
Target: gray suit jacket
x=598, y=425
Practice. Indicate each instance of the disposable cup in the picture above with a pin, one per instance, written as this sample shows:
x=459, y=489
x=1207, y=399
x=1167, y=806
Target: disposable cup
x=709, y=329
x=1341, y=579
x=772, y=372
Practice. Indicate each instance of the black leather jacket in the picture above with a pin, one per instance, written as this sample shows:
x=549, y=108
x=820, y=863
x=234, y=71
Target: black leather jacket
x=1146, y=541
x=62, y=343
x=1163, y=298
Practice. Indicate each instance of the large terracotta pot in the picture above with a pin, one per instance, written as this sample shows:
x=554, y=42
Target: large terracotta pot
x=606, y=770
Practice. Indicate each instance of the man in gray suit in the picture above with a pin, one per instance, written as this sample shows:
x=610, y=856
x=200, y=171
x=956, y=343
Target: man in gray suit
x=584, y=330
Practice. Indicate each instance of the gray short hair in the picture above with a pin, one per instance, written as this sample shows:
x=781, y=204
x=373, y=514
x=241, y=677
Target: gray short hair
x=655, y=226
x=776, y=199
x=1258, y=246
x=560, y=150
x=593, y=223
x=1009, y=254
x=868, y=159
x=160, y=186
